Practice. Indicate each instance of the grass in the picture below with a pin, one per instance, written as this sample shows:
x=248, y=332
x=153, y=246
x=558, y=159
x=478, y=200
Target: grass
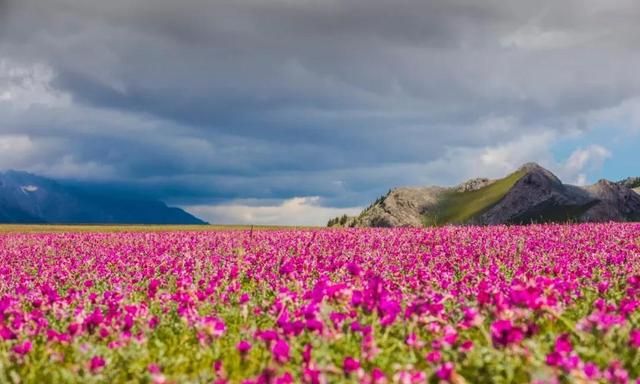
x=48, y=228
x=459, y=207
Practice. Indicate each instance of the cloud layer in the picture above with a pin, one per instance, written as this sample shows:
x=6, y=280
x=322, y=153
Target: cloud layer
x=212, y=103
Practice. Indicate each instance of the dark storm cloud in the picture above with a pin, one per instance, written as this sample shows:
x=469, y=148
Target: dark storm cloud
x=271, y=99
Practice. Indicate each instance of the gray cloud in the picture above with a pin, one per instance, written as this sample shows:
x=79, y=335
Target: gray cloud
x=210, y=101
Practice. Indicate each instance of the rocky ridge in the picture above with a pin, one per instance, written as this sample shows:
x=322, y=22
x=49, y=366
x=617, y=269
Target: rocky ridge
x=536, y=195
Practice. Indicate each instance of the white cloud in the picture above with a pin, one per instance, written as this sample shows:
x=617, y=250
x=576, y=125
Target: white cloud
x=501, y=159
x=67, y=167
x=532, y=37
x=581, y=161
x=461, y=163
x=15, y=150
x=624, y=117
x=294, y=211
x=47, y=157
x=23, y=86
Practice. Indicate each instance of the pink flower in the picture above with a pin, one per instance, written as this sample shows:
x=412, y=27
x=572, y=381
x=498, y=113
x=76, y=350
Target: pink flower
x=413, y=341
x=214, y=326
x=503, y=333
x=306, y=353
x=554, y=359
x=93, y=320
x=591, y=371
x=471, y=317
x=634, y=338
x=354, y=269
x=445, y=371
x=96, y=364
x=286, y=378
x=377, y=376
x=153, y=288
x=73, y=329
x=244, y=298
x=22, y=348
x=563, y=344
x=6, y=333
x=154, y=368
x=450, y=335
x=280, y=351
x=267, y=336
x=153, y=322
x=616, y=374
x=311, y=376
x=466, y=346
x=434, y=357
x=243, y=347
x=350, y=365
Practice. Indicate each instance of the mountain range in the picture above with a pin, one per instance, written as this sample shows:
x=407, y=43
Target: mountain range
x=531, y=194
x=26, y=198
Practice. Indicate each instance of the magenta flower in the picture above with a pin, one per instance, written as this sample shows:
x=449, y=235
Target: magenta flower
x=22, y=348
x=94, y=320
x=434, y=357
x=563, y=344
x=354, y=269
x=504, y=333
x=445, y=371
x=243, y=347
x=306, y=353
x=377, y=376
x=362, y=294
x=591, y=371
x=554, y=359
x=244, y=298
x=634, y=338
x=96, y=364
x=73, y=329
x=466, y=346
x=280, y=351
x=6, y=333
x=154, y=369
x=152, y=290
x=616, y=374
x=286, y=378
x=350, y=365
x=267, y=336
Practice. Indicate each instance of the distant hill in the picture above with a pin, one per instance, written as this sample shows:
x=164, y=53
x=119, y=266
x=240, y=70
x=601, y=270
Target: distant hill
x=27, y=198
x=531, y=194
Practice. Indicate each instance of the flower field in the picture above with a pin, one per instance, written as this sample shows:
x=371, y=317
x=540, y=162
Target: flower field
x=547, y=303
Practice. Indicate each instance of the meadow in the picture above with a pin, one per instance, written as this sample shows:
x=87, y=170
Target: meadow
x=502, y=304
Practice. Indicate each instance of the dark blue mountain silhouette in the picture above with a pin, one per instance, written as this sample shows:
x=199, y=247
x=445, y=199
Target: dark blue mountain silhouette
x=27, y=198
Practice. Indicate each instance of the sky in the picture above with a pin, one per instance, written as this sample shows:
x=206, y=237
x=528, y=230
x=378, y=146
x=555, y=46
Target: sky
x=295, y=111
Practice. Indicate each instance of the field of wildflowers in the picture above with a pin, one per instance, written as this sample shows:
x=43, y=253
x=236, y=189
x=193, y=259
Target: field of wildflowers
x=545, y=304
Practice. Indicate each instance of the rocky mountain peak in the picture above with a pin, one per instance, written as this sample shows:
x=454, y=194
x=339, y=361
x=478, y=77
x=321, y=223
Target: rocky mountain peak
x=536, y=173
x=531, y=194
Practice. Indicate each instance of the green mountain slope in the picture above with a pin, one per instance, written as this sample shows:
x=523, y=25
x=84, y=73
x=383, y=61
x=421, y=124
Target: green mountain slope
x=459, y=207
